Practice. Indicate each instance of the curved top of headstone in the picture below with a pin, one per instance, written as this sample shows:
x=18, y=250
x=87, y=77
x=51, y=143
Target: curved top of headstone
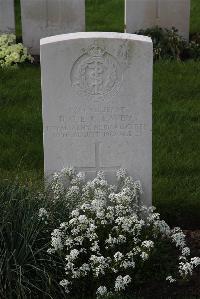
x=86, y=35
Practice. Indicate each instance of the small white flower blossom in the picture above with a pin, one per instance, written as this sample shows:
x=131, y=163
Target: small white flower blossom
x=75, y=213
x=82, y=219
x=65, y=283
x=144, y=256
x=185, y=269
x=43, y=214
x=147, y=244
x=128, y=264
x=195, y=261
x=178, y=237
x=118, y=256
x=56, y=241
x=74, y=254
x=81, y=176
x=101, y=291
x=170, y=279
x=186, y=251
x=122, y=282
x=121, y=173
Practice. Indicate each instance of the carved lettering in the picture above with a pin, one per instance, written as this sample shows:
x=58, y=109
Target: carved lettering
x=97, y=121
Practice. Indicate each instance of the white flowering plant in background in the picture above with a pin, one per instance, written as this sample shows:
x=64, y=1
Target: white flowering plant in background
x=12, y=53
x=110, y=240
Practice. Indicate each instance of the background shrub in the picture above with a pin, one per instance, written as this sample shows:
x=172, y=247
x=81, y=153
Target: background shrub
x=11, y=53
x=168, y=44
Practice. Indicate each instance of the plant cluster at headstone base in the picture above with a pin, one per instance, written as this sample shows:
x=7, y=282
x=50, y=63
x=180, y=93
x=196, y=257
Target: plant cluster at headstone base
x=111, y=242
x=168, y=44
x=12, y=54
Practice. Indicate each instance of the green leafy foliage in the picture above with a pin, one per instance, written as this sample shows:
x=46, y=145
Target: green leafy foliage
x=27, y=271
x=194, y=46
x=168, y=44
x=28, y=217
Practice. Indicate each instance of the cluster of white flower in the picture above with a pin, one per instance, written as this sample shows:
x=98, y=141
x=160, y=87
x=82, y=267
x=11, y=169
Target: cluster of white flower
x=101, y=291
x=121, y=173
x=56, y=241
x=67, y=184
x=121, y=282
x=43, y=214
x=170, y=279
x=65, y=284
x=186, y=268
x=11, y=54
x=109, y=233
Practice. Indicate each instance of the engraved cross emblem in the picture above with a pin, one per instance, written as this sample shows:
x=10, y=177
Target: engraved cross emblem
x=98, y=166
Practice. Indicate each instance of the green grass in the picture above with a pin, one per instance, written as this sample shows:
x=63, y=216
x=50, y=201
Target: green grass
x=21, y=123
x=105, y=15
x=176, y=135
x=195, y=16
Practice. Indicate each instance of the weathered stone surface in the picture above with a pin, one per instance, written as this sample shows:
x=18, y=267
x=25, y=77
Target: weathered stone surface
x=42, y=18
x=142, y=14
x=97, y=94
x=7, y=16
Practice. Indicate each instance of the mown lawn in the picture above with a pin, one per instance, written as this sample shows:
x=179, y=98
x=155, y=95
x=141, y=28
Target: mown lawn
x=21, y=149
x=195, y=19
x=176, y=135
x=176, y=125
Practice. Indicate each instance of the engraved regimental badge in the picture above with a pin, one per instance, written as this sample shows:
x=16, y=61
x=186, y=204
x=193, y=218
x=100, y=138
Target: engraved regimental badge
x=96, y=73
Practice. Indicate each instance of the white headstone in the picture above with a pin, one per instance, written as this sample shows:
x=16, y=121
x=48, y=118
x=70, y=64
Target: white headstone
x=97, y=104
x=7, y=16
x=42, y=18
x=142, y=14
